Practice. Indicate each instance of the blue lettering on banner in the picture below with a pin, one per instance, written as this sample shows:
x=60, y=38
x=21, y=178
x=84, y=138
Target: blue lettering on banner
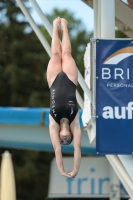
x=92, y=170
x=80, y=181
x=69, y=180
x=90, y=181
x=101, y=181
x=91, y=184
x=114, y=96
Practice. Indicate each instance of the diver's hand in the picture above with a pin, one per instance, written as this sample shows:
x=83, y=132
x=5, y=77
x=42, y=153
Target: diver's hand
x=73, y=174
x=65, y=174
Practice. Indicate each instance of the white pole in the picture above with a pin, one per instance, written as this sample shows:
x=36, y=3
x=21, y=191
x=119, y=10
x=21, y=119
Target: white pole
x=84, y=85
x=107, y=19
x=95, y=8
x=47, y=26
x=35, y=27
x=40, y=13
x=99, y=18
x=127, y=161
x=80, y=100
x=122, y=173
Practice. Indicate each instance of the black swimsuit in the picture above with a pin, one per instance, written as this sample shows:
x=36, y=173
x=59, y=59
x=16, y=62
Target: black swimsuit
x=63, y=103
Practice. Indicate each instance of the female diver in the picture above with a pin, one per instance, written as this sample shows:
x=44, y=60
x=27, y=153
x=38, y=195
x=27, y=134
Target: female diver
x=62, y=78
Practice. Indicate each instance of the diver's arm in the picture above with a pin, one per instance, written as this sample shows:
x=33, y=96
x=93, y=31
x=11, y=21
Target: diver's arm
x=76, y=130
x=54, y=135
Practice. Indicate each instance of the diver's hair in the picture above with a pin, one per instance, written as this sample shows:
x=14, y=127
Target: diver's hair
x=68, y=142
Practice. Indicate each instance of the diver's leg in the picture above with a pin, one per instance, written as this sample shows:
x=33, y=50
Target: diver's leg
x=54, y=65
x=68, y=63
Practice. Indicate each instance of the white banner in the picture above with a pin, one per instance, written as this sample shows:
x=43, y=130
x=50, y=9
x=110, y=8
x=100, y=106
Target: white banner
x=93, y=179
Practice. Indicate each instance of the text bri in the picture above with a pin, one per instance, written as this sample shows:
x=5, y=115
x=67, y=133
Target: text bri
x=118, y=73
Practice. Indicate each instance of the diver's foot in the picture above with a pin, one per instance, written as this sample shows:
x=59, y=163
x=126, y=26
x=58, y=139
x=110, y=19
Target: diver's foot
x=56, y=24
x=63, y=23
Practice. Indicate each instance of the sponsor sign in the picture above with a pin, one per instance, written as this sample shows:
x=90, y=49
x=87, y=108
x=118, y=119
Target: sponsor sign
x=114, y=96
x=92, y=181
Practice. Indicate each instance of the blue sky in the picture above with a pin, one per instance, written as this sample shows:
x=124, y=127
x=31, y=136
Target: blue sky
x=79, y=8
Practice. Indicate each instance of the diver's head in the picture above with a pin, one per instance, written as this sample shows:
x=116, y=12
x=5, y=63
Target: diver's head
x=65, y=134
x=66, y=137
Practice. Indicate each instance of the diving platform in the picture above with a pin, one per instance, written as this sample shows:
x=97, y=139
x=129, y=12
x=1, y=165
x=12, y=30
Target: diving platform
x=28, y=128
